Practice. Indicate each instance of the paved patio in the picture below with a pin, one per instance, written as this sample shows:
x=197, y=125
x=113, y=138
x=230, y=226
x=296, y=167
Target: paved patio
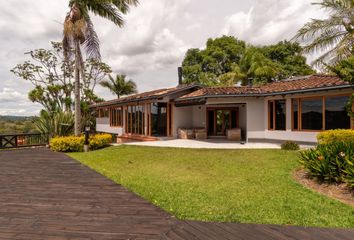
x=209, y=143
x=46, y=195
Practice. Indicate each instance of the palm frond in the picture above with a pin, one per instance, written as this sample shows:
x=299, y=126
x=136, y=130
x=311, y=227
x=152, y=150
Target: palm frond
x=108, y=11
x=124, y=5
x=340, y=52
x=326, y=41
x=92, y=42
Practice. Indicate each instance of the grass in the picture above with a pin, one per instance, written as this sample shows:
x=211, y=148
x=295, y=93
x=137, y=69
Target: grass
x=248, y=186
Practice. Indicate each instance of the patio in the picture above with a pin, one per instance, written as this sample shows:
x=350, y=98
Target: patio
x=207, y=144
x=47, y=195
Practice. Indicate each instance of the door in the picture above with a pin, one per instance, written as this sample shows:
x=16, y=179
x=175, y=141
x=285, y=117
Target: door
x=159, y=119
x=220, y=120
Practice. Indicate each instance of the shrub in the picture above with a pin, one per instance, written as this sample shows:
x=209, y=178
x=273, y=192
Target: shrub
x=329, y=162
x=340, y=135
x=349, y=178
x=76, y=144
x=289, y=145
x=67, y=144
x=100, y=141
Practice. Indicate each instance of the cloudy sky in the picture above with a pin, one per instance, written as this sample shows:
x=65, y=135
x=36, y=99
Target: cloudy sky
x=153, y=42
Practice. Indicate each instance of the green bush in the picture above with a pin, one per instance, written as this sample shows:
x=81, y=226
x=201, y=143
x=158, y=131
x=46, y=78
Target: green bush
x=350, y=175
x=67, y=144
x=340, y=135
x=331, y=163
x=76, y=144
x=100, y=141
x=289, y=145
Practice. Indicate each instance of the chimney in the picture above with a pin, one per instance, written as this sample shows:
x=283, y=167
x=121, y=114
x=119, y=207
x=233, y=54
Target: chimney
x=250, y=82
x=180, y=75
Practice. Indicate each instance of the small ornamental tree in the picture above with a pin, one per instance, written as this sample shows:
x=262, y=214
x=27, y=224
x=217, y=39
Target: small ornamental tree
x=53, y=80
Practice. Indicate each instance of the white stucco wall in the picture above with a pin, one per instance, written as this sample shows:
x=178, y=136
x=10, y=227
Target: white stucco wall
x=199, y=116
x=102, y=125
x=182, y=117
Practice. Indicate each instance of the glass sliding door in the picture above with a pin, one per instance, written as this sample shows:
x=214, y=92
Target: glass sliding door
x=220, y=120
x=159, y=119
x=135, y=118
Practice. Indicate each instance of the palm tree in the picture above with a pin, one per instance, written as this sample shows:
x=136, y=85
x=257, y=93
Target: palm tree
x=120, y=86
x=334, y=35
x=79, y=32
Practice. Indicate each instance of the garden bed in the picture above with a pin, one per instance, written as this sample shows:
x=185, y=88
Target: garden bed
x=340, y=192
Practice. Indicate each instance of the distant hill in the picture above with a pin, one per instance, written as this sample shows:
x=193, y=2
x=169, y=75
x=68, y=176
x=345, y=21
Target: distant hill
x=14, y=118
x=16, y=125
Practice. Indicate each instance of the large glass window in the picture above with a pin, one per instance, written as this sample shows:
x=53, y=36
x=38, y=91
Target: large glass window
x=312, y=114
x=135, y=120
x=271, y=114
x=336, y=114
x=103, y=113
x=277, y=115
x=321, y=113
x=295, y=114
x=116, y=117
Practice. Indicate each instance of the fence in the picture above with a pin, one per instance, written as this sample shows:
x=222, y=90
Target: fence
x=22, y=140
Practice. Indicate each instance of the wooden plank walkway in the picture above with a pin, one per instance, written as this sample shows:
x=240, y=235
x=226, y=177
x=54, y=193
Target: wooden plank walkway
x=46, y=195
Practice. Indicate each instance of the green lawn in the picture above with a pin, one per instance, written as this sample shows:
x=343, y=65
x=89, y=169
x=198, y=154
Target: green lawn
x=249, y=186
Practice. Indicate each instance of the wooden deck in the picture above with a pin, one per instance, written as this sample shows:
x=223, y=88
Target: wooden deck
x=46, y=195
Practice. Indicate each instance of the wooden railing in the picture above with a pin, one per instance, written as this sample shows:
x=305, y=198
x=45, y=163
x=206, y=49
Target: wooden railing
x=22, y=140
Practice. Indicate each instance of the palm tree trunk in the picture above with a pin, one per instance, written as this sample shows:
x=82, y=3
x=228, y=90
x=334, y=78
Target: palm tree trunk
x=77, y=89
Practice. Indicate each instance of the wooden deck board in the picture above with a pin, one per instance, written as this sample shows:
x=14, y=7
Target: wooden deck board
x=46, y=195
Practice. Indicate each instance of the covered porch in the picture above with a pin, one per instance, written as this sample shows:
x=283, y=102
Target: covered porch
x=211, y=120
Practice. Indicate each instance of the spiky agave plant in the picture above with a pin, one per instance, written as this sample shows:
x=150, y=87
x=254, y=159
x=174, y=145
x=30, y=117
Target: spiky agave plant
x=334, y=36
x=55, y=124
x=79, y=32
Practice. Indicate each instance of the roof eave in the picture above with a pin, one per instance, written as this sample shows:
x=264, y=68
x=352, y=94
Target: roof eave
x=268, y=94
x=143, y=99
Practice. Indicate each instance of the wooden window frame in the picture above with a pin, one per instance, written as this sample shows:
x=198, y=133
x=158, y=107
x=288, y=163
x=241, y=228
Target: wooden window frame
x=323, y=97
x=116, y=117
x=274, y=114
x=298, y=114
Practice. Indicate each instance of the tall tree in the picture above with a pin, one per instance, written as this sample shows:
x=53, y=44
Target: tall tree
x=53, y=78
x=119, y=85
x=226, y=61
x=79, y=31
x=332, y=37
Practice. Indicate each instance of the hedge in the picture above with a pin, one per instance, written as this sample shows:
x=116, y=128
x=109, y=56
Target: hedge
x=340, y=135
x=76, y=144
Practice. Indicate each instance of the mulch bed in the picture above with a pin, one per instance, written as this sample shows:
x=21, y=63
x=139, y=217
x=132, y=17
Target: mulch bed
x=339, y=192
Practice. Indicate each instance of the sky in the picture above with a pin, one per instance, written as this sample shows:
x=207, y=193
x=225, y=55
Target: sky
x=151, y=45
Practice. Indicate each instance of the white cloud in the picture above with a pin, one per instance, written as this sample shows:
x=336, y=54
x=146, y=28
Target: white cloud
x=13, y=102
x=269, y=21
x=152, y=43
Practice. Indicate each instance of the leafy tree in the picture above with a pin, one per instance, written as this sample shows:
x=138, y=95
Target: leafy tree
x=334, y=35
x=226, y=61
x=53, y=78
x=79, y=31
x=345, y=70
x=205, y=66
x=119, y=85
x=288, y=56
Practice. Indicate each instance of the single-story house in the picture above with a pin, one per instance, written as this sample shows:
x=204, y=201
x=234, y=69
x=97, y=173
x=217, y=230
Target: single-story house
x=295, y=109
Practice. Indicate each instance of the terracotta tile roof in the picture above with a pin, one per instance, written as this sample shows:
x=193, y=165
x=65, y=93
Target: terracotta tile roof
x=309, y=82
x=145, y=95
x=211, y=91
x=295, y=84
